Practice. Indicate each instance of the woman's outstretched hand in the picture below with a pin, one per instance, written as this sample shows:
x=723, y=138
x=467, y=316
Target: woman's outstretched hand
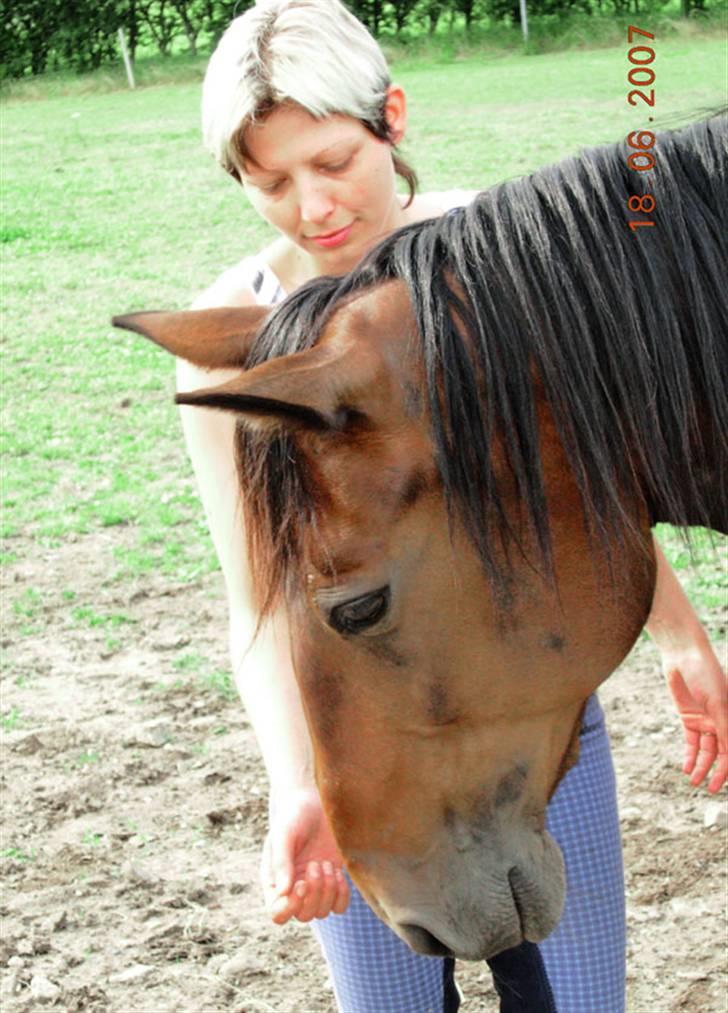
x=696, y=680
x=301, y=868
x=700, y=692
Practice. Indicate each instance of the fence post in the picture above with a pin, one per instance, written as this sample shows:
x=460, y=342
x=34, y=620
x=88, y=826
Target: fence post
x=127, y=61
x=524, y=20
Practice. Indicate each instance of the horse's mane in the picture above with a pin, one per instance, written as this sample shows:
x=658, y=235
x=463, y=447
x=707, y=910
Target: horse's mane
x=626, y=331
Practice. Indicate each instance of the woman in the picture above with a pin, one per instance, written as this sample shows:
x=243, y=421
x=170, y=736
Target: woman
x=299, y=108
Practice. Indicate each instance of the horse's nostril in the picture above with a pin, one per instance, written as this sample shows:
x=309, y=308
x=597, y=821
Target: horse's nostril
x=424, y=942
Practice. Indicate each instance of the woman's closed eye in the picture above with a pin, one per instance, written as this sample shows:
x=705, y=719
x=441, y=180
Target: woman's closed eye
x=271, y=188
x=338, y=166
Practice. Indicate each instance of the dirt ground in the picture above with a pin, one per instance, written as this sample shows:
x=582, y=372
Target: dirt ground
x=135, y=806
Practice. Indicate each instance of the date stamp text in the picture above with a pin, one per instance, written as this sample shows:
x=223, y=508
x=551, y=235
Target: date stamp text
x=641, y=76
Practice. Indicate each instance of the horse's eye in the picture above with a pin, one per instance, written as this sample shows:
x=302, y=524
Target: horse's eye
x=360, y=614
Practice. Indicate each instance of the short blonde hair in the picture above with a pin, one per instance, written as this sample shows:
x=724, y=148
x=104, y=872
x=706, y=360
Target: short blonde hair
x=314, y=53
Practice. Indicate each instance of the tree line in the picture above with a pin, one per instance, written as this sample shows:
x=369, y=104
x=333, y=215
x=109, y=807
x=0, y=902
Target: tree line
x=81, y=35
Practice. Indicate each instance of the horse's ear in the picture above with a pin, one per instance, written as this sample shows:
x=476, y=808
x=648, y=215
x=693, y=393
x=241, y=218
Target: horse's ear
x=319, y=389
x=212, y=338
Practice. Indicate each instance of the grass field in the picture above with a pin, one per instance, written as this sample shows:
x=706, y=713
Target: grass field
x=110, y=204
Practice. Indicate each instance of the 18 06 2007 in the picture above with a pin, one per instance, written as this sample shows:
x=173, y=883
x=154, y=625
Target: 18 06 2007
x=641, y=76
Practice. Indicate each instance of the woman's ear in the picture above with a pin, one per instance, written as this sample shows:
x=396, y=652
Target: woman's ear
x=395, y=112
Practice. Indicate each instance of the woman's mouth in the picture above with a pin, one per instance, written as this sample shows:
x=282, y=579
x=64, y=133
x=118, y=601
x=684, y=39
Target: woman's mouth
x=330, y=239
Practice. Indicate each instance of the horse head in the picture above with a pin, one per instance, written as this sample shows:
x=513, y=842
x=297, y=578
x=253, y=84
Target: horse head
x=443, y=709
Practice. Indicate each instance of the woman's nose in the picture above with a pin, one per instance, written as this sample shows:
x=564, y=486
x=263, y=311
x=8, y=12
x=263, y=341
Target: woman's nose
x=315, y=202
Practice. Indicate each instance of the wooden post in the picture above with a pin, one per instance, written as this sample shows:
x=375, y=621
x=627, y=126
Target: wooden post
x=524, y=20
x=127, y=60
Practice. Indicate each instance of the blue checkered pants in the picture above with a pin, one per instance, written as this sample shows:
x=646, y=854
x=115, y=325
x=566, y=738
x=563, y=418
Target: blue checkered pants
x=581, y=964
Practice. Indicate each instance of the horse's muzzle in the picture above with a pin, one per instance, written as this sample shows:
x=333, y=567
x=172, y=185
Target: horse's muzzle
x=472, y=906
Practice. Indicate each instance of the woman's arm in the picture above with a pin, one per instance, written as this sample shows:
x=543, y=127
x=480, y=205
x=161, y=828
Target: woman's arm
x=262, y=667
x=300, y=840
x=694, y=675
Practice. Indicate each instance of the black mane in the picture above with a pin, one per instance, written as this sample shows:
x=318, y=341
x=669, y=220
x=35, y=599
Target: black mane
x=625, y=330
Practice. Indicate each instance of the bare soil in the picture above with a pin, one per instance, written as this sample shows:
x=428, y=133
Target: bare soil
x=135, y=807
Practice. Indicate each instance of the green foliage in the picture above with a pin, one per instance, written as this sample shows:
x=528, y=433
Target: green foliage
x=168, y=20
x=37, y=36
x=26, y=34
x=46, y=35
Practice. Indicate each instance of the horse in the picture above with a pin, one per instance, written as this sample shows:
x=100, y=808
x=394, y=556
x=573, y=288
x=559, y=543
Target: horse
x=450, y=461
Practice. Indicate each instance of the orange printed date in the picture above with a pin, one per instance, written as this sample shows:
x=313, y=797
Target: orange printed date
x=641, y=159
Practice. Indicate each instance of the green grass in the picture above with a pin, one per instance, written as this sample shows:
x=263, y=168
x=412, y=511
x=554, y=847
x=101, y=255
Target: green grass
x=217, y=681
x=10, y=720
x=110, y=204
x=221, y=682
x=24, y=679
x=18, y=854
x=27, y=603
x=93, y=838
x=702, y=570
x=88, y=616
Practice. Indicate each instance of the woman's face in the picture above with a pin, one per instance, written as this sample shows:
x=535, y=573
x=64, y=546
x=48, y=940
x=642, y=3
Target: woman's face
x=328, y=185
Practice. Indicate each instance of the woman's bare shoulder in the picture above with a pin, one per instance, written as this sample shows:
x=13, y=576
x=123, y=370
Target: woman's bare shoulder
x=436, y=203
x=284, y=260
x=446, y=200
x=236, y=285
x=231, y=288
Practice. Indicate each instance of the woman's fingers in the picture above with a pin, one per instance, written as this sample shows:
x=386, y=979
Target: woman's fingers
x=702, y=751
x=718, y=711
x=705, y=726
x=280, y=860
x=341, y=902
x=267, y=875
x=314, y=884
x=707, y=752
x=692, y=747
x=720, y=774
x=290, y=905
x=318, y=896
x=328, y=890
x=283, y=898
